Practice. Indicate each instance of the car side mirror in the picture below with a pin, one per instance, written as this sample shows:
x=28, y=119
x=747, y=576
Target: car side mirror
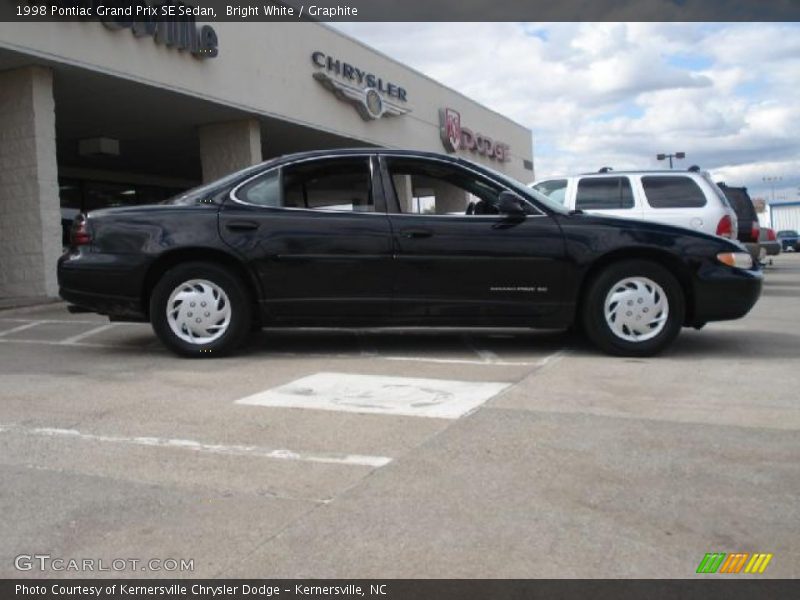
x=509, y=203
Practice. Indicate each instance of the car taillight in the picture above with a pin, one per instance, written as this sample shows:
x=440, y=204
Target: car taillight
x=79, y=234
x=771, y=235
x=755, y=232
x=725, y=227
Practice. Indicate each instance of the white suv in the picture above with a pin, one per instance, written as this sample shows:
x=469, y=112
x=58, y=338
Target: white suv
x=684, y=198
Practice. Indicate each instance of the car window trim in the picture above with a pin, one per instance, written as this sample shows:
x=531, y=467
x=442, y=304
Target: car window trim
x=378, y=197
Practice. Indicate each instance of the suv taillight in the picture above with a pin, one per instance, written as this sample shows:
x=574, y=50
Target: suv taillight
x=725, y=227
x=755, y=232
x=771, y=235
x=79, y=234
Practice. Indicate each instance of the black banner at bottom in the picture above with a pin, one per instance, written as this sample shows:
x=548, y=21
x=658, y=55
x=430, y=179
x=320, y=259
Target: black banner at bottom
x=400, y=589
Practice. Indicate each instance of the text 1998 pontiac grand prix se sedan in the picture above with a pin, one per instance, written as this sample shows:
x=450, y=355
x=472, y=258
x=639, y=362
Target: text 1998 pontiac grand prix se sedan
x=373, y=237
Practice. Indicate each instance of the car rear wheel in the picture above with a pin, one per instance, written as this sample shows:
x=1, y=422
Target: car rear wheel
x=199, y=309
x=633, y=308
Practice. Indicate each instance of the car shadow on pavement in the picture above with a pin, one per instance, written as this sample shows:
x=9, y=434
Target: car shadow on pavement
x=487, y=345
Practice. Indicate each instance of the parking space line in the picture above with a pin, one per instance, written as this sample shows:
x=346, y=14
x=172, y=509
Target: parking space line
x=69, y=321
x=52, y=343
x=359, y=460
x=23, y=327
x=82, y=336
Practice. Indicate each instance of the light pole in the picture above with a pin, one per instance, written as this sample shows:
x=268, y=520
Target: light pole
x=772, y=181
x=677, y=156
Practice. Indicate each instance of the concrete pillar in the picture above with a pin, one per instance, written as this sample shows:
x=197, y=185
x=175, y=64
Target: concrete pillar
x=228, y=147
x=30, y=216
x=402, y=187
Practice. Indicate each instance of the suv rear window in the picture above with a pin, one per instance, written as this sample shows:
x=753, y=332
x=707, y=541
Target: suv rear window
x=604, y=193
x=672, y=192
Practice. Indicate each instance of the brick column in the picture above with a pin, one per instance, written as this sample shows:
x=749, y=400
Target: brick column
x=30, y=216
x=228, y=147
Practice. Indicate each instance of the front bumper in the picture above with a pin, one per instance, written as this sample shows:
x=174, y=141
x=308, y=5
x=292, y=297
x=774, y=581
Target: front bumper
x=722, y=293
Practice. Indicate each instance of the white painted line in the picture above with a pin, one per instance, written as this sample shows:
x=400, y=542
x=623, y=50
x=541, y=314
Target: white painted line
x=52, y=343
x=71, y=321
x=82, y=336
x=235, y=450
x=27, y=325
x=374, y=394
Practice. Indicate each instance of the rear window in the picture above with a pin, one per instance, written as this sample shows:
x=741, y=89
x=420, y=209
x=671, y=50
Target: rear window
x=672, y=192
x=604, y=193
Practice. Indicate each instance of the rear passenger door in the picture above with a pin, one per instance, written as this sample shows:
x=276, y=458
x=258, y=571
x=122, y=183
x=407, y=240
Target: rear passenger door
x=609, y=196
x=317, y=236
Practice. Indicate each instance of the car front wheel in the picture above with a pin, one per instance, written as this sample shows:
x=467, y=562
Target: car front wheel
x=633, y=308
x=200, y=310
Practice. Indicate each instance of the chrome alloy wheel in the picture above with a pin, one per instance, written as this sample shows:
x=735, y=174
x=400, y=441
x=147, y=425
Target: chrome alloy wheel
x=636, y=309
x=198, y=311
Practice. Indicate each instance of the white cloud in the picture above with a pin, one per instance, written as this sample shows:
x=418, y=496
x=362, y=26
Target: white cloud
x=616, y=94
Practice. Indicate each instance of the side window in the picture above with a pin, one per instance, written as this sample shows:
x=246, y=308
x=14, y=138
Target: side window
x=672, y=192
x=438, y=189
x=262, y=191
x=332, y=184
x=555, y=189
x=604, y=193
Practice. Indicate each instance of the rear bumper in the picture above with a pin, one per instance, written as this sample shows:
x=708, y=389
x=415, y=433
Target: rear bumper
x=722, y=293
x=103, y=283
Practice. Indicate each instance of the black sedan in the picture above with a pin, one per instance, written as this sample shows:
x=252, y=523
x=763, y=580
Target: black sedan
x=374, y=237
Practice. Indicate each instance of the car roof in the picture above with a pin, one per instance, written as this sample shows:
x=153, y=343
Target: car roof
x=336, y=152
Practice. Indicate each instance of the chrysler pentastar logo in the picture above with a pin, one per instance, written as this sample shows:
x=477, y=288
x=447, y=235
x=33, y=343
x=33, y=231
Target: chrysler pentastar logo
x=370, y=95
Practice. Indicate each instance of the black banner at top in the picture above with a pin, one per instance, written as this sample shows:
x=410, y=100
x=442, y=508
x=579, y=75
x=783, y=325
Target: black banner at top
x=403, y=10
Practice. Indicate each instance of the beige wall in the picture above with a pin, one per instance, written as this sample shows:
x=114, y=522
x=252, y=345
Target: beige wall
x=266, y=69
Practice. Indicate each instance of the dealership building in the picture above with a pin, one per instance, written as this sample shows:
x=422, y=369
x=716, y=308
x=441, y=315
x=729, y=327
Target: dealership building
x=96, y=114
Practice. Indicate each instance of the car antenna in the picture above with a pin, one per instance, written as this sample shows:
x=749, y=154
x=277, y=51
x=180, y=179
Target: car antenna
x=605, y=170
x=694, y=169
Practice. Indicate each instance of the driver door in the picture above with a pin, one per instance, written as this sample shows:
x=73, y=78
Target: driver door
x=457, y=257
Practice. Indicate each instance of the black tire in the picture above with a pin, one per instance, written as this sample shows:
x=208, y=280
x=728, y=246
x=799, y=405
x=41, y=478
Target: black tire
x=599, y=331
x=241, y=315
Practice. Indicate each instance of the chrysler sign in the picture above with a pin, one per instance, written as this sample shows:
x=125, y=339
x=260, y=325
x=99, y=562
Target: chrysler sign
x=456, y=137
x=372, y=96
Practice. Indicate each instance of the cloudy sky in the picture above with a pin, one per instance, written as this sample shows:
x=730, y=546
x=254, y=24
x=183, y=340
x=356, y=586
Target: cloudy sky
x=616, y=94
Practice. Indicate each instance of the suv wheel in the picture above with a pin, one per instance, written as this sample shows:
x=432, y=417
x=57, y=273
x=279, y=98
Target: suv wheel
x=633, y=308
x=200, y=310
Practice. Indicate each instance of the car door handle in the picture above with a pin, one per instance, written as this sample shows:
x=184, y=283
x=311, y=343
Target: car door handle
x=416, y=233
x=241, y=225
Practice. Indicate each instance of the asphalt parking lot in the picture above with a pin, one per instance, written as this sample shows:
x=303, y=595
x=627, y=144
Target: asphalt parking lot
x=402, y=453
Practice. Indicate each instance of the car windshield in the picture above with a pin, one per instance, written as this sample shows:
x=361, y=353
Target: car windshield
x=787, y=233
